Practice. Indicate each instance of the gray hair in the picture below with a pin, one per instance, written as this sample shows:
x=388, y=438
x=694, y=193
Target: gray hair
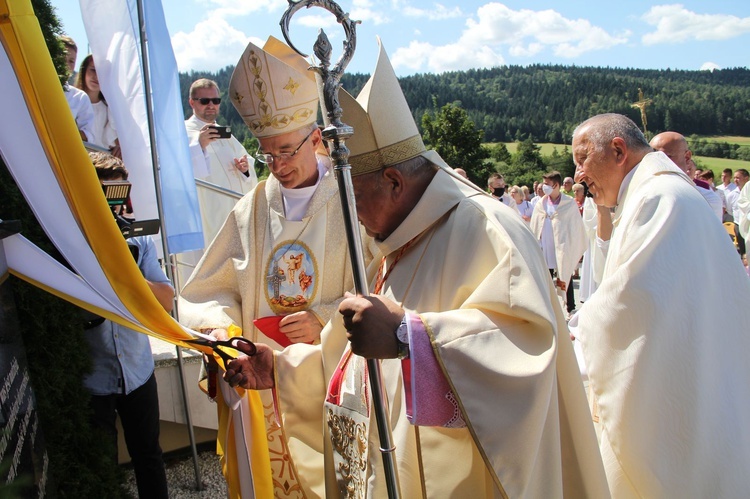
x=602, y=128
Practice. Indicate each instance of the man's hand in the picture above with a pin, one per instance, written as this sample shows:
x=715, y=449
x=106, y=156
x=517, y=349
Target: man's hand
x=115, y=149
x=207, y=135
x=604, y=225
x=371, y=322
x=242, y=164
x=561, y=284
x=251, y=373
x=301, y=327
x=217, y=334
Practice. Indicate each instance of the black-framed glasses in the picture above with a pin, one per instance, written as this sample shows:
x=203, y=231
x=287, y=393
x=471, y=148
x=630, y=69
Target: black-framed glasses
x=267, y=158
x=213, y=100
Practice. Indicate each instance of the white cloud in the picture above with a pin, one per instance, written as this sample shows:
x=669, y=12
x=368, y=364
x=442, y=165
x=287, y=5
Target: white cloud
x=675, y=24
x=317, y=21
x=212, y=45
x=233, y=8
x=362, y=10
x=452, y=57
x=437, y=13
x=499, y=25
x=709, y=66
x=524, y=32
x=521, y=50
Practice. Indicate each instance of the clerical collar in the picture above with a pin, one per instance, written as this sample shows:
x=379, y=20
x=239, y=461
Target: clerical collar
x=296, y=201
x=625, y=183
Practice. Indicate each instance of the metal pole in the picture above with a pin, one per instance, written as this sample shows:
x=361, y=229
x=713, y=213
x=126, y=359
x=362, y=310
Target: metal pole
x=336, y=134
x=157, y=183
x=217, y=188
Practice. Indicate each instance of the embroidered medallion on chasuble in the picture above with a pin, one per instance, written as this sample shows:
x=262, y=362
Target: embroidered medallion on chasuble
x=273, y=90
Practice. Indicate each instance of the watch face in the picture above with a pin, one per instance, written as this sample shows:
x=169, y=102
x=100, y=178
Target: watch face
x=402, y=333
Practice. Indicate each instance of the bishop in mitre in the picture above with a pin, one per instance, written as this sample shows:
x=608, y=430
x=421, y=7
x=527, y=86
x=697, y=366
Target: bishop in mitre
x=275, y=272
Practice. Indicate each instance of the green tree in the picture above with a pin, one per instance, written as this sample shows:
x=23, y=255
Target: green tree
x=499, y=152
x=251, y=145
x=528, y=156
x=455, y=137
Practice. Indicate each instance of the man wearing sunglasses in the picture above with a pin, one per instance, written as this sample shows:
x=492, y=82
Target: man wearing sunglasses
x=277, y=269
x=223, y=162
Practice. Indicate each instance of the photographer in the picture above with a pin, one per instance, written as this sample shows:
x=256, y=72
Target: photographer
x=122, y=380
x=221, y=160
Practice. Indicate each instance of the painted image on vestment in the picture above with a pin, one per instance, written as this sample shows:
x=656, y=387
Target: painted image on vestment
x=291, y=277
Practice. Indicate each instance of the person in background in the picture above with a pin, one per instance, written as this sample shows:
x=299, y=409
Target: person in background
x=122, y=382
x=707, y=176
x=730, y=190
x=496, y=186
x=461, y=172
x=526, y=193
x=567, y=186
x=557, y=225
x=104, y=126
x=676, y=148
x=653, y=348
x=221, y=161
x=740, y=177
x=538, y=193
x=78, y=101
x=524, y=207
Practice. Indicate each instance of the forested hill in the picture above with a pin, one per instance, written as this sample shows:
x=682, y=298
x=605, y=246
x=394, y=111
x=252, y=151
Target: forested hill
x=546, y=102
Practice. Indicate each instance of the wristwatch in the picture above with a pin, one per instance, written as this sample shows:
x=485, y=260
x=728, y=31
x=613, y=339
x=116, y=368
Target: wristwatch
x=402, y=339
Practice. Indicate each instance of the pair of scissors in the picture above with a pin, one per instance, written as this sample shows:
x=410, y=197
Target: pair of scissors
x=219, y=346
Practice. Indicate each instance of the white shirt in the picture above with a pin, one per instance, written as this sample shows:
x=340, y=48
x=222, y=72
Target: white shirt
x=296, y=201
x=104, y=126
x=547, y=240
x=83, y=112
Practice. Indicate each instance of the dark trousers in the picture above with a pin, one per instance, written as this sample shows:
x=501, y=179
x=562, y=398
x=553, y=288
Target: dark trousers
x=139, y=415
x=740, y=240
x=570, y=302
x=570, y=299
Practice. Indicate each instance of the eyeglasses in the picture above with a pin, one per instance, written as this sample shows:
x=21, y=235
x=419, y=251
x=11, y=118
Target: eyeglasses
x=205, y=100
x=267, y=158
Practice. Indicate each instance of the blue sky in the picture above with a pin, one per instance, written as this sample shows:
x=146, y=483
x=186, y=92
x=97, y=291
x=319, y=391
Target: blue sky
x=422, y=36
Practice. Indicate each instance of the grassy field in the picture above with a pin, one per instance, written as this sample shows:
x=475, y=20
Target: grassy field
x=547, y=148
x=715, y=164
x=718, y=164
x=729, y=139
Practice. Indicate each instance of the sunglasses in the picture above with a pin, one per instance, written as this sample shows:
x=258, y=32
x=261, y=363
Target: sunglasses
x=205, y=100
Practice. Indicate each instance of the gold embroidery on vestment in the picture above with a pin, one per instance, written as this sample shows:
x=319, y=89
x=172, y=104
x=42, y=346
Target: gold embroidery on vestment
x=349, y=440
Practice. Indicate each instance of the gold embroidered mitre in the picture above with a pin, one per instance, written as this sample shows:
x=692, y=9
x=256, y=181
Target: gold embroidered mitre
x=272, y=89
x=384, y=130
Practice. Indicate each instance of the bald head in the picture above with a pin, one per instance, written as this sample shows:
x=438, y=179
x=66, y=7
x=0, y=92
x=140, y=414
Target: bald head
x=605, y=148
x=675, y=147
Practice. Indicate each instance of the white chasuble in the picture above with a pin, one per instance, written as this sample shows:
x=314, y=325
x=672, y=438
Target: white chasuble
x=666, y=359
x=263, y=266
x=475, y=277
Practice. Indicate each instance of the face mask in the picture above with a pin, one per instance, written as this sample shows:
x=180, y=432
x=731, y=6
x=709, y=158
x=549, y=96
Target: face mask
x=547, y=189
x=498, y=192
